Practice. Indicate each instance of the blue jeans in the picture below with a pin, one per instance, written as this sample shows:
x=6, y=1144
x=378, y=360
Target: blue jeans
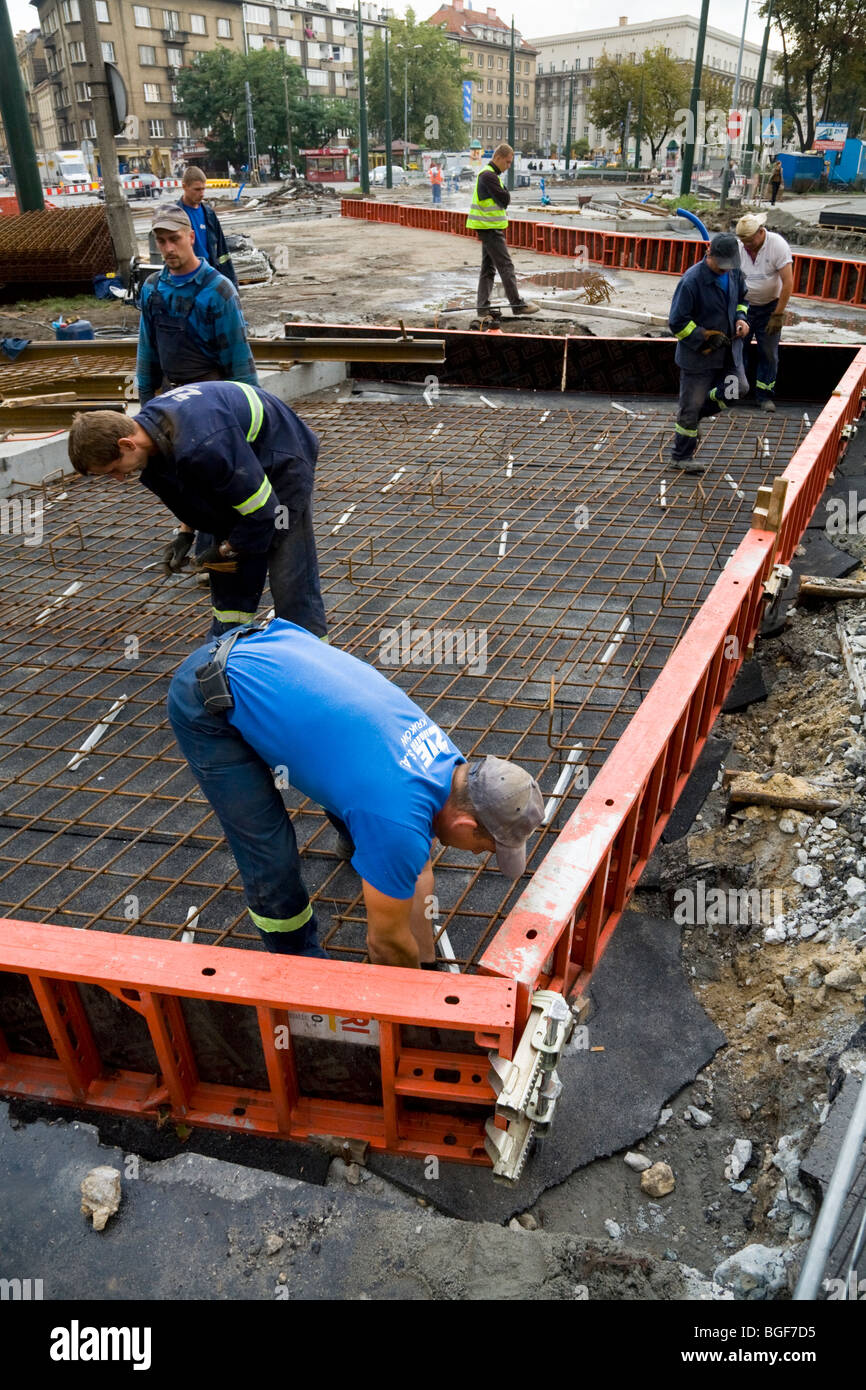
x=437, y=192
x=700, y=396
x=768, y=349
x=240, y=788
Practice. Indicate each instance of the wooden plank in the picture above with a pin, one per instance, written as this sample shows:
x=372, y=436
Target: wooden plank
x=819, y=587
x=750, y=789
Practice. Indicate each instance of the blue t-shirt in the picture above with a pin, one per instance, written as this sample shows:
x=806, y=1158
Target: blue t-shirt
x=196, y=217
x=723, y=281
x=351, y=741
x=182, y=279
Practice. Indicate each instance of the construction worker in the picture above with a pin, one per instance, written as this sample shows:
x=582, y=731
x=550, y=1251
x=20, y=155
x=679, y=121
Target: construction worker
x=436, y=182
x=767, y=263
x=191, y=327
x=708, y=315
x=777, y=180
x=488, y=217
x=235, y=463
x=276, y=700
x=210, y=242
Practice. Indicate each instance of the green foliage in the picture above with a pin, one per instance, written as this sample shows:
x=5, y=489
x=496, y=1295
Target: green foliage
x=211, y=93
x=661, y=82
x=430, y=68
x=823, y=69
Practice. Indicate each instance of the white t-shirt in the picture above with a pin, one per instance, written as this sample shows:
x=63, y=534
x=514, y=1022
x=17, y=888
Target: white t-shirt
x=762, y=274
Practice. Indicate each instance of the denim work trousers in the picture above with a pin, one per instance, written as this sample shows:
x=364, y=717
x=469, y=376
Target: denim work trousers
x=240, y=788
x=768, y=349
x=292, y=568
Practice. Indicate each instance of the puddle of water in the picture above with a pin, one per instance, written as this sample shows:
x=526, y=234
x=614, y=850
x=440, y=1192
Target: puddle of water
x=567, y=279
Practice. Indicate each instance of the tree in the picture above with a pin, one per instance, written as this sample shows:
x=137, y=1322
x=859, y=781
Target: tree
x=661, y=83
x=430, y=67
x=211, y=92
x=822, y=59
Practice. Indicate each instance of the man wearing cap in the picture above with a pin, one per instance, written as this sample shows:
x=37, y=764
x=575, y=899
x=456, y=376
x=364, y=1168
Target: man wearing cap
x=192, y=328
x=275, y=700
x=767, y=263
x=708, y=316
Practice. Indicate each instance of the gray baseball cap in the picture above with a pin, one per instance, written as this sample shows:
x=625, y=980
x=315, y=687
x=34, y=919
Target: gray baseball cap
x=725, y=250
x=171, y=219
x=510, y=807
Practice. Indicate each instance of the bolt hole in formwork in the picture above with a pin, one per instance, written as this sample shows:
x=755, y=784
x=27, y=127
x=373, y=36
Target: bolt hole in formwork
x=539, y=650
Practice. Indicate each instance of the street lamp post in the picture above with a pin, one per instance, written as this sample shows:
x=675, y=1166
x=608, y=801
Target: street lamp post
x=389, y=174
x=405, y=48
x=363, y=157
x=288, y=120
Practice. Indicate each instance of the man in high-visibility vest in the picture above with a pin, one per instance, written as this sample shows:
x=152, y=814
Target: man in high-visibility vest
x=436, y=182
x=233, y=461
x=488, y=217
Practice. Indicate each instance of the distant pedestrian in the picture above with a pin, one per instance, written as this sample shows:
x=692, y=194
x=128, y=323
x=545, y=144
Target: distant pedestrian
x=436, y=182
x=776, y=180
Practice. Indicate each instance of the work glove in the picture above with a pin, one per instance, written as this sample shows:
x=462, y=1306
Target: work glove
x=215, y=562
x=775, y=322
x=174, y=555
x=713, y=338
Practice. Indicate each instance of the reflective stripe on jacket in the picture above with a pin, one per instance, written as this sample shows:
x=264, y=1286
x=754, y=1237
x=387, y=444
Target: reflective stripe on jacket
x=485, y=215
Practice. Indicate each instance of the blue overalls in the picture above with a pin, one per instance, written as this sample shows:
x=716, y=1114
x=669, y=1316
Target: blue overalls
x=709, y=382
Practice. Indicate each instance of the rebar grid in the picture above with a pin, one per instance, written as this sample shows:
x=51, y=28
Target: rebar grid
x=97, y=372
x=566, y=618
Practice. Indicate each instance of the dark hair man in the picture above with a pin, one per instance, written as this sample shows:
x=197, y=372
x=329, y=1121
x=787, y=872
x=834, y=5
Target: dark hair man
x=708, y=314
x=233, y=462
x=351, y=740
x=489, y=218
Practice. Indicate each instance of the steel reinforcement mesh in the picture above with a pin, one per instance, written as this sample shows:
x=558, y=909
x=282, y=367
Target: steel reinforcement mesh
x=522, y=573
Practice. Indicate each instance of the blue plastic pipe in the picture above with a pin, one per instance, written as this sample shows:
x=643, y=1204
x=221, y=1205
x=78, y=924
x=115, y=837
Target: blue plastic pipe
x=681, y=212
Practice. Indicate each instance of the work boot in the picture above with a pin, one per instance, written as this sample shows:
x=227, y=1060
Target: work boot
x=525, y=306
x=689, y=465
x=490, y=312
x=769, y=406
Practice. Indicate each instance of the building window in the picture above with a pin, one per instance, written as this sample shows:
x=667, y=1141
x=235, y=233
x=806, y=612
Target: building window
x=171, y=19
x=589, y=62
x=499, y=112
x=102, y=15
x=315, y=77
x=490, y=108
x=88, y=128
x=51, y=23
x=108, y=51
x=197, y=24
x=499, y=132
x=577, y=65
x=76, y=52
x=141, y=17
x=292, y=47
x=156, y=128
x=172, y=92
x=82, y=91
x=499, y=85
x=257, y=14
x=490, y=132
x=70, y=11
x=479, y=108
x=480, y=57
x=183, y=130
x=146, y=55
x=224, y=28
x=499, y=62
x=174, y=57
x=490, y=60
x=151, y=91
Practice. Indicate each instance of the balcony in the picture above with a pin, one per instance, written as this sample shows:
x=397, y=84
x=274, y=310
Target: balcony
x=175, y=35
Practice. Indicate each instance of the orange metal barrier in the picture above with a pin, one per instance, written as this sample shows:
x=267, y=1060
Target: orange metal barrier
x=552, y=938
x=826, y=278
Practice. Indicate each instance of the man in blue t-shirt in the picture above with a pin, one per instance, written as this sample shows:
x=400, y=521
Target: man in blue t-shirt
x=210, y=242
x=278, y=701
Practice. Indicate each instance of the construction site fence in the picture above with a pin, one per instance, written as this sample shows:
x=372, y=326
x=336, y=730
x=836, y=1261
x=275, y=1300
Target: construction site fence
x=433, y=1102
x=826, y=278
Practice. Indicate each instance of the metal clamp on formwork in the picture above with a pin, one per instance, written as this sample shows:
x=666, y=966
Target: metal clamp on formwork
x=527, y=1086
x=849, y=431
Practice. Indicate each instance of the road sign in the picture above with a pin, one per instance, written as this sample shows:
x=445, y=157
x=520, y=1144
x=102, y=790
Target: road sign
x=772, y=128
x=735, y=124
x=829, y=136
x=467, y=101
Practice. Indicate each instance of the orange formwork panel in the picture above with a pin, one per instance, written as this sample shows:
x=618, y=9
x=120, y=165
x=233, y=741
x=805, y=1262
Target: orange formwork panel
x=827, y=278
x=428, y=1102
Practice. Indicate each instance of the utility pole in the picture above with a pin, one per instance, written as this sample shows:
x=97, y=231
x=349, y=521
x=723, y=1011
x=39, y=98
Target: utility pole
x=639, y=137
x=389, y=172
x=363, y=156
x=759, y=82
x=568, y=125
x=511, y=104
x=289, y=155
x=726, y=172
x=117, y=210
x=252, y=152
x=19, y=136
x=626, y=134
x=689, y=149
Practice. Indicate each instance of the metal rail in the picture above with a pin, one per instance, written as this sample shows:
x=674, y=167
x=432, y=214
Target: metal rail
x=404, y=348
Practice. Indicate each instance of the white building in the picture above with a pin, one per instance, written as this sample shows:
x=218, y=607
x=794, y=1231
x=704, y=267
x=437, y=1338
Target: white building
x=562, y=55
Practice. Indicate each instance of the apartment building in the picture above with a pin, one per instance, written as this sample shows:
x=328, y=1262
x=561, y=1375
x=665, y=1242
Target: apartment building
x=485, y=42
x=34, y=70
x=322, y=38
x=562, y=57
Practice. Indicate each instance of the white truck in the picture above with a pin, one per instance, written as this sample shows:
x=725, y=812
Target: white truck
x=63, y=167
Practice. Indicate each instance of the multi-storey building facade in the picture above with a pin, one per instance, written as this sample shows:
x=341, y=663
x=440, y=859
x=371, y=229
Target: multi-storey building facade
x=485, y=41
x=34, y=70
x=573, y=56
x=322, y=38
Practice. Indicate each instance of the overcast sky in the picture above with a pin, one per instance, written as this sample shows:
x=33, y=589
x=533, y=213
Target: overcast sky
x=536, y=18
